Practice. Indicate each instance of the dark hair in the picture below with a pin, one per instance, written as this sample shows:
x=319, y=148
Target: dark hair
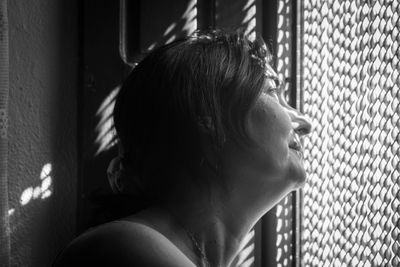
x=210, y=79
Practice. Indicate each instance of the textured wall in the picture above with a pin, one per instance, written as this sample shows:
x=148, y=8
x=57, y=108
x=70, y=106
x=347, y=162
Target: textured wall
x=43, y=128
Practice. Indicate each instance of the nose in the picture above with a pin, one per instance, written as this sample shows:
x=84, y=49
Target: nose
x=300, y=123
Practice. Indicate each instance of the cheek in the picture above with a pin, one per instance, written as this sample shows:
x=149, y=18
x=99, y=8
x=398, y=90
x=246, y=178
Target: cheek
x=269, y=125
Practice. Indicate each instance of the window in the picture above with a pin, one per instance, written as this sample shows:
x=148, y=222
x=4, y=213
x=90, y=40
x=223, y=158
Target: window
x=350, y=77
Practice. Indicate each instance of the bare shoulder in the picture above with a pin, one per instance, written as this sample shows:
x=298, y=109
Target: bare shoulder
x=122, y=243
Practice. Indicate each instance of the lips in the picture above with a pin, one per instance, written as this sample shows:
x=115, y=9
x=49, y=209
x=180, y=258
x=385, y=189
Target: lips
x=295, y=145
x=294, y=142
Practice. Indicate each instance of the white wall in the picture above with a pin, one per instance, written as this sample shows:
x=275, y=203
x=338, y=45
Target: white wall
x=42, y=128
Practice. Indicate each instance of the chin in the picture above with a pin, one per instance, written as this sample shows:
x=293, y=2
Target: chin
x=300, y=182
x=296, y=173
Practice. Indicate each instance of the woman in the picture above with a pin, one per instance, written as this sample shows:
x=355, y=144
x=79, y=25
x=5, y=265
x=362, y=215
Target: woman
x=208, y=141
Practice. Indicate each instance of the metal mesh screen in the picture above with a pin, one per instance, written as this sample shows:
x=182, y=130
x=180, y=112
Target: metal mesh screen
x=351, y=83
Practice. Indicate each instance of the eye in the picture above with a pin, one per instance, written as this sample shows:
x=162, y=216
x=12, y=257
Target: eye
x=274, y=87
x=274, y=92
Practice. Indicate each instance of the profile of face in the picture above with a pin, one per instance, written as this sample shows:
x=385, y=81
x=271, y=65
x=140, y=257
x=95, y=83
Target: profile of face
x=276, y=129
x=275, y=161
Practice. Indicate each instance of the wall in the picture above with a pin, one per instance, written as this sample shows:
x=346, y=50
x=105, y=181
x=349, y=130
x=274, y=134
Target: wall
x=42, y=128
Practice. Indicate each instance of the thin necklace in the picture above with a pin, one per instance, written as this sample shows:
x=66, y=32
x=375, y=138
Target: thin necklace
x=199, y=251
x=196, y=245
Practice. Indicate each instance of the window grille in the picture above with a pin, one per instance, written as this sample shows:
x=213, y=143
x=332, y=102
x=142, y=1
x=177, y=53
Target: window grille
x=350, y=71
x=285, y=212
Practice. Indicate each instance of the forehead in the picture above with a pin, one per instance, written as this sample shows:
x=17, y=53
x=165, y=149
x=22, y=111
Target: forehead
x=271, y=75
x=270, y=72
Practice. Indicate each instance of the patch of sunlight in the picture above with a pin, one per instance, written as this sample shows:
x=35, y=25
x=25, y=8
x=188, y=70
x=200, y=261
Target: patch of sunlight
x=11, y=212
x=279, y=225
x=279, y=239
x=46, y=181
x=169, y=29
x=26, y=196
x=46, y=170
x=46, y=194
x=247, y=238
x=105, y=127
x=170, y=39
x=36, y=192
x=248, y=262
x=251, y=12
x=250, y=19
x=244, y=254
x=150, y=47
x=279, y=253
x=246, y=250
x=190, y=16
x=248, y=4
x=285, y=263
x=42, y=190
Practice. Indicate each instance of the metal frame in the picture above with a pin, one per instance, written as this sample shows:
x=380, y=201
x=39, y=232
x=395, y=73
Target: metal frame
x=269, y=221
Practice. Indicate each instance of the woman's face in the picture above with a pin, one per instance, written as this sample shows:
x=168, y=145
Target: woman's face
x=276, y=128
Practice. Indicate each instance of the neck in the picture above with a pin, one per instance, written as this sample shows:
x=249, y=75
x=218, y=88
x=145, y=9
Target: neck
x=222, y=214
x=212, y=218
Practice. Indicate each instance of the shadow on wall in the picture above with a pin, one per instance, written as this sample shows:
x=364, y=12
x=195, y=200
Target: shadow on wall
x=43, y=128
x=106, y=66
x=245, y=15
x=185, y=25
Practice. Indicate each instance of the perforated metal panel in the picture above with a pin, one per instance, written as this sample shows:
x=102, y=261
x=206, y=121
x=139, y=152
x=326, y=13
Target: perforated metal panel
x=351, y=92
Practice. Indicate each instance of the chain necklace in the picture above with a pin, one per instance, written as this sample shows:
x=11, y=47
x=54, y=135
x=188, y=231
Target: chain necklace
x=199, y=251
x=196, y=245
